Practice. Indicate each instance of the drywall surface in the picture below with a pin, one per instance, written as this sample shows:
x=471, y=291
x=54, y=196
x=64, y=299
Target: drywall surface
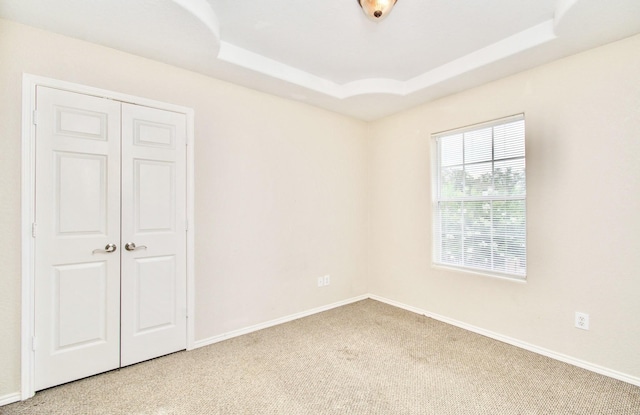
x=583, y=201
x=280, y=188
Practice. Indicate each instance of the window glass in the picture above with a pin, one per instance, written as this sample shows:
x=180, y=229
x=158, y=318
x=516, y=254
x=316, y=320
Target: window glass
x=480, y=198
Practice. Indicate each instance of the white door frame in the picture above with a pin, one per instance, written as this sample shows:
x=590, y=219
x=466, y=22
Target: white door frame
x=29, y=84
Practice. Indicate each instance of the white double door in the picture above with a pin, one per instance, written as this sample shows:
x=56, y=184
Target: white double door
x=110, y=245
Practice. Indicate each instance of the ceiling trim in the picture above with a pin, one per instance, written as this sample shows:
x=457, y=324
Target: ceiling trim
x=202, y=11
x=512, y=45
x=564, y=6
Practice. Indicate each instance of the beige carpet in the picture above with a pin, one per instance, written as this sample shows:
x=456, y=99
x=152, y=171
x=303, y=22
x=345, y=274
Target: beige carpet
x=365, y=358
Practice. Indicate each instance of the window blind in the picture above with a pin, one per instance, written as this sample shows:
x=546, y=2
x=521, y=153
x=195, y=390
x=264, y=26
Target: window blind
x=480, y=197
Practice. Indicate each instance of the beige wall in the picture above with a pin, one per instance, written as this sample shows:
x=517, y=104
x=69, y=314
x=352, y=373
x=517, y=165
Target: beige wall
x=583, y=232
x=280, y=188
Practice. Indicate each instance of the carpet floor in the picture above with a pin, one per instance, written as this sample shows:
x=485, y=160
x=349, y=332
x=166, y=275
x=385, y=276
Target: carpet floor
x=364, y=358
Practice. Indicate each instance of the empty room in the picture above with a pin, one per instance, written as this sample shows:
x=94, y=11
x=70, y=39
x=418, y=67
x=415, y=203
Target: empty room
x=336, y=207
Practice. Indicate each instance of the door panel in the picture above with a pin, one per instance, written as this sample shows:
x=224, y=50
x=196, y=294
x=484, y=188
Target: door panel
x=81, y=208
x=77, y=291
x=155, y=134
x=81, y=123
x=79, y=320
x=154, y=197
x=154, y=219
x=155, y=287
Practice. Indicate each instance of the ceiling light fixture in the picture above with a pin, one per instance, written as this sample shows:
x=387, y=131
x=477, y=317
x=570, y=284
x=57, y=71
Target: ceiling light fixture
x=376, y=10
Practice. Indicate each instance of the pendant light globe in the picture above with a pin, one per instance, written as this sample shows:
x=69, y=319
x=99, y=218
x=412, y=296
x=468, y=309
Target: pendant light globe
x=376, y=10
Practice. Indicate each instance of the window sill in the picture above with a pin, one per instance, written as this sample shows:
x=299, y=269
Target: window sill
x=522, y=279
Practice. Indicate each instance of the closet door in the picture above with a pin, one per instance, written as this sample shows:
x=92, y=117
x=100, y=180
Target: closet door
x=153, y=233
x=77, y=245
x=110, y=246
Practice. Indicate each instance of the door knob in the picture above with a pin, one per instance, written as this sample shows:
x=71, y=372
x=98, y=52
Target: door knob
x=131, y=246
x=107, y=249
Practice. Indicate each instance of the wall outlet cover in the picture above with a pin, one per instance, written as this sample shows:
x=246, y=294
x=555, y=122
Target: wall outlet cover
x=582, y=320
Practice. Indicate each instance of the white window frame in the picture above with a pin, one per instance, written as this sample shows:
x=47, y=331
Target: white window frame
x=436, y=159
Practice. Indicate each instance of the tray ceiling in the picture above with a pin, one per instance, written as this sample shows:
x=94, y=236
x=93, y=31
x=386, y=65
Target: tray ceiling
x=331, y=55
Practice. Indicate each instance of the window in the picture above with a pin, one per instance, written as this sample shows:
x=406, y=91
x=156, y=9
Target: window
x=479, y=194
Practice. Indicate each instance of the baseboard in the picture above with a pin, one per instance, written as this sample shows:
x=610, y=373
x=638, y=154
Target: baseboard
x=271, y=323
x=514, y=342
x=10, y=398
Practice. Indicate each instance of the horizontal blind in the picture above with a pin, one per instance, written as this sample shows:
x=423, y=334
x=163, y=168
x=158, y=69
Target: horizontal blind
x=480, y=197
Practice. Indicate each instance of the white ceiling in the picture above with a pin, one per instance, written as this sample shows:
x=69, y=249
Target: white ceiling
x=329, y=54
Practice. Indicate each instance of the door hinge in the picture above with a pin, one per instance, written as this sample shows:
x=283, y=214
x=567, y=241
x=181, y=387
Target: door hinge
x=34, y=117
x=34, y=226
x=33, y=343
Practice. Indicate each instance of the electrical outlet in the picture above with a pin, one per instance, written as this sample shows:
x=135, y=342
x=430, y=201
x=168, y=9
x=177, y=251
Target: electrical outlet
x=327, y=279
x=320, y=282
x=582, y=321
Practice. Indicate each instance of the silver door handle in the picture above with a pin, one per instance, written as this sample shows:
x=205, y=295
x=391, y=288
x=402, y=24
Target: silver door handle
x=107, y=249
x=131, y=246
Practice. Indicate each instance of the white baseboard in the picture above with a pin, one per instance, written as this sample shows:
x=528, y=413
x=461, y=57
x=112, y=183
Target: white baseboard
x=271, y=323
x=10, y=398
x=514, y=342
